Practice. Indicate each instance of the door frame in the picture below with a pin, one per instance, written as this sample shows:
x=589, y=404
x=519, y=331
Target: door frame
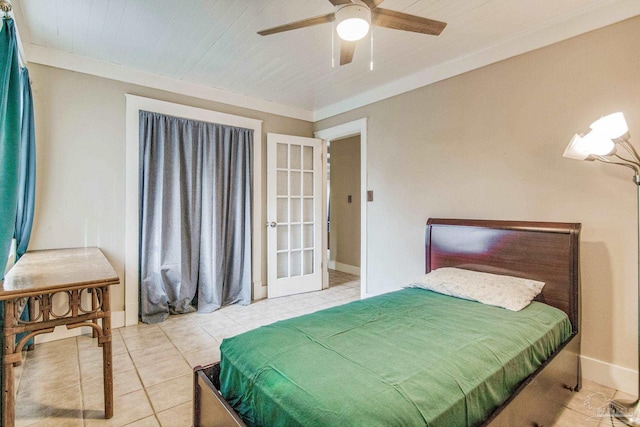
x=356, y=127
x=132, y=192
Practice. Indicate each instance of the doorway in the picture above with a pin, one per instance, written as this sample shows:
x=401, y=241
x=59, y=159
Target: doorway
x=343, y=213
x=329, y=135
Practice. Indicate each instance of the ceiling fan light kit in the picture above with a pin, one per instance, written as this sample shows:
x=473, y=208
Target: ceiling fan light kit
x=352, y=22
x=355, y=18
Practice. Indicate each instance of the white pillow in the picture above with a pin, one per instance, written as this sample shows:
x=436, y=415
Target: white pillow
x=512, y=293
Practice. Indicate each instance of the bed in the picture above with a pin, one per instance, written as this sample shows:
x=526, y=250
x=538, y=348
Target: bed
x=322, y=369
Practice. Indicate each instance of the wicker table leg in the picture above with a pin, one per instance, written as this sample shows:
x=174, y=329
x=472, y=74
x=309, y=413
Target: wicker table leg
x=8, y=396
x=106, y=354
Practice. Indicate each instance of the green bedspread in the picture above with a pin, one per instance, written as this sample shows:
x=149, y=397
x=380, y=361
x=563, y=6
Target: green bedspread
x=407, y=358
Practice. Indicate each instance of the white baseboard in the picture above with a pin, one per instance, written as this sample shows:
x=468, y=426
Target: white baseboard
x=345, y=268
x=607, y=374
x=61, y=332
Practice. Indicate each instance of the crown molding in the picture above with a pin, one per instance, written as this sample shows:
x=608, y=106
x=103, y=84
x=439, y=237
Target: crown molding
x=68, y=61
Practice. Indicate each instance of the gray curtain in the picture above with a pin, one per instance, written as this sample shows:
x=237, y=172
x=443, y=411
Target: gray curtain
x=195, y=215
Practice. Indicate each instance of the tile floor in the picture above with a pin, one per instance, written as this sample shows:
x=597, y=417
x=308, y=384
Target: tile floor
x=60, y=383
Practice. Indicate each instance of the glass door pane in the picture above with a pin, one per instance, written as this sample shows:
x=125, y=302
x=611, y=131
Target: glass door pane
x=296, y=177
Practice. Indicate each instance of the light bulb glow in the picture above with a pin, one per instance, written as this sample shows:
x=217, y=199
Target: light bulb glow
x=592, y=144
x=353, y=29
x=612, y=126
x=598, y=144
x=576, y=149
x=353, y=22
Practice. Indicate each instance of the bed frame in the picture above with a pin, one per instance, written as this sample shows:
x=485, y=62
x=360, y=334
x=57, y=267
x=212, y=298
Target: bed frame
x=543, y=251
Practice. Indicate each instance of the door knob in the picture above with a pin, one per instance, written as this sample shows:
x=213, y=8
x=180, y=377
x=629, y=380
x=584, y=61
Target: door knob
x=271, y=224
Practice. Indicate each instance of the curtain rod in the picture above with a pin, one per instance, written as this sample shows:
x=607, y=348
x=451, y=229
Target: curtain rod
x=7, y=8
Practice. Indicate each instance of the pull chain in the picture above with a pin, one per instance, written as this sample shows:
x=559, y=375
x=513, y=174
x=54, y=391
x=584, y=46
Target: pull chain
x=371, y=63
x=333, y=46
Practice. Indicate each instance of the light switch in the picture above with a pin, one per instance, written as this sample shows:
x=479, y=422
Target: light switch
x=349, y=198
x=370, y=196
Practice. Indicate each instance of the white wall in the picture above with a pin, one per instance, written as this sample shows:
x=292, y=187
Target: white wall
x=488, y=144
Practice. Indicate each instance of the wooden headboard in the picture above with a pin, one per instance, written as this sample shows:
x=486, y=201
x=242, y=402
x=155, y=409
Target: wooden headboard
x=544, y=251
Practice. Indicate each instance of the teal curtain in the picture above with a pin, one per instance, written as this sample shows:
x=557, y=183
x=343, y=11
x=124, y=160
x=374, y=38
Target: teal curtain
x=27, y=174
x=9, y=137
x=26, y=177
x=9, y=141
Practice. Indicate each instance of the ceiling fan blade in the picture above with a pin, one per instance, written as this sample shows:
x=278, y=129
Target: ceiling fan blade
x=403, y=21
x=372, y=4
x=339, y=2
x=346, y=51
x=309, y=22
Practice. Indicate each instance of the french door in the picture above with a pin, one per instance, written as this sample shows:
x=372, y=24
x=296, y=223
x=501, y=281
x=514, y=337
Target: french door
x=294, y=215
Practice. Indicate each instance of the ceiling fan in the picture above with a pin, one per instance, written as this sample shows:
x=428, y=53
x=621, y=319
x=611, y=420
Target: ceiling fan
x=354, y=17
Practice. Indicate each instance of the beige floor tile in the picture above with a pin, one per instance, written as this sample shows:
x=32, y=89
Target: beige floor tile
x=177, y=321
x=123, y=383
x=86, y=341
x=63, y=405
x=178, y=416
x=118, y=347
x=17, y=375
x=195, y=342
x=220, y=323
x=608, y=422
x=145, y=422
x=163, y=371
x=620, y=395
x=42, y=381
x=45, y=367
x=90, y=355
x=59, y=422
x=54, y=349
x=92, y=369
x=171, y=393
x=49, y=354
x=183, y=329
x=147, y=356
x=219, y=336
x=139, y=329
x=203, y=357
x=570, y=418
x=591, y=398
x=87, y=344
x=146, y=340
x=207, y=318
x=126, y=409
x=215, y=329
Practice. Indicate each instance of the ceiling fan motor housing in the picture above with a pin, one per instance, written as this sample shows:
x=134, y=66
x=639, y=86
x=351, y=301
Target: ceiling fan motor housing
x=353, y=21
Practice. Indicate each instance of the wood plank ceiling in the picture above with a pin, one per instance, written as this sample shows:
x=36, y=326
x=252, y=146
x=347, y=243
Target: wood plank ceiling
x=214, y=42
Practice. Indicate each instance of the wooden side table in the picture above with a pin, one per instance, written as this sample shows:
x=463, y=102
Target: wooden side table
x=40, y=275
